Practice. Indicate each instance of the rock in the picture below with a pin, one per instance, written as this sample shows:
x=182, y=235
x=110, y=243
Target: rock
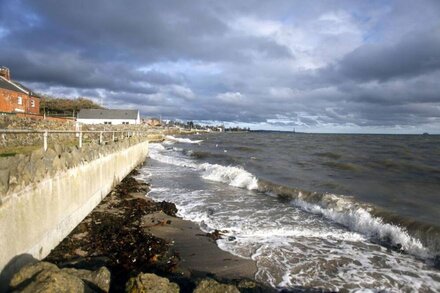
x=39, y=170
x=212, y=286
x=49, y=156
x=168, y=208
x=58, y=164
x=54, y=281
x=29, y=271
x=4, y=181
x=215, y=235
x=4, y=163
x=144, y=283
x=67, y=157
x=58, y=148
x=76, y=156
x=99, y=278
x=248, y=285
x=37, y=155
x=47, y=277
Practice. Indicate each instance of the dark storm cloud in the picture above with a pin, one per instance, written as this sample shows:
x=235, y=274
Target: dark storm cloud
x=417, y=53
x=282, y=63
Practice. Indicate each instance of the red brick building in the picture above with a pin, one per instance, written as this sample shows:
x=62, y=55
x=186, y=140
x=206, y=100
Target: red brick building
x=16, y=98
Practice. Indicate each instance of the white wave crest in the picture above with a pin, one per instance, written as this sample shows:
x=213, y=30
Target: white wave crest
x=181, y=140
x=233, y=176
x=360, y=220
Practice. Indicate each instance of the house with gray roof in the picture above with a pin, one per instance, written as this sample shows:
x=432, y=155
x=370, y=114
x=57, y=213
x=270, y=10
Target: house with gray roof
x=15, y=97
x=110, y=116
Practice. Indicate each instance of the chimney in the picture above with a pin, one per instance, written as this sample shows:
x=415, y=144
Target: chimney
x=4, y=72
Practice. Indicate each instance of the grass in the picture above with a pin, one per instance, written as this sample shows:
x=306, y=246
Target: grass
x=12, y=151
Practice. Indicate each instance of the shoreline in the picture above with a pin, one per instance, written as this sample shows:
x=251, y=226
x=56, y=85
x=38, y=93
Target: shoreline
x=129, y=234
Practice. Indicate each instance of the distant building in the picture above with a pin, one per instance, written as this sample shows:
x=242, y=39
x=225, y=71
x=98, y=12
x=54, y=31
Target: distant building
x=153, y=122
x=16, y=98
x=115, y=117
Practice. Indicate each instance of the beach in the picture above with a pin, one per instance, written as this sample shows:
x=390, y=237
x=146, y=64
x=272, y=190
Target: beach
x=129, y=233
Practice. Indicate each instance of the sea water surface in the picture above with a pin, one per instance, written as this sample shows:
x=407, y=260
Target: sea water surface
x=333, y=212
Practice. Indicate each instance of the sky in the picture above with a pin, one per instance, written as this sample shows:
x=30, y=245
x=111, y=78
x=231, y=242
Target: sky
x=316, y=66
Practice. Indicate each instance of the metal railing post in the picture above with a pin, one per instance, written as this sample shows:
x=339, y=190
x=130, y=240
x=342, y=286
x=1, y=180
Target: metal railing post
x=113, y=136
x=80, y=144
x=100, y=137
x=45, y=140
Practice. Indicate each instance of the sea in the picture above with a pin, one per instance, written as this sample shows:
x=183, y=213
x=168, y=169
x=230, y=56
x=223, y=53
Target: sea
x=335, y=212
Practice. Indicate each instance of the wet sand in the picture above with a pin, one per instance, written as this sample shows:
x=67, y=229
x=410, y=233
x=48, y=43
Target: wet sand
x=197, y=251
x=130, y=233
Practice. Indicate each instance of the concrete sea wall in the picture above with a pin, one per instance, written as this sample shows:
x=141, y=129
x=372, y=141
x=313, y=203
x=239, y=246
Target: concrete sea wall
x=37, y=213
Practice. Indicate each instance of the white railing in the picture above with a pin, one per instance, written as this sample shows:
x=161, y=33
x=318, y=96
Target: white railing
x=79, y=133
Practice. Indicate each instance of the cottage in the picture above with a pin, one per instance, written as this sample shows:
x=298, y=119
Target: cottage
x=101, y=116
x=16, y=98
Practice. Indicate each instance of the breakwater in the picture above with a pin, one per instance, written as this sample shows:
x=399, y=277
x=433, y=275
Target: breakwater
x=46, y=194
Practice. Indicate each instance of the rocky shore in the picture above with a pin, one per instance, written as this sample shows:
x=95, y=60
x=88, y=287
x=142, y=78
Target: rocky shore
x=133, y=244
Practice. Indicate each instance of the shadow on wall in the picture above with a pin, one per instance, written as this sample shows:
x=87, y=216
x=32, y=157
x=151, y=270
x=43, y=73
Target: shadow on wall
x=14, y=265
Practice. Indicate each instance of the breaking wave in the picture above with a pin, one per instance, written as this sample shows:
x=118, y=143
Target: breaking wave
x=344, y=210
x=181, y=140
x=361, y=218
x=234, y=176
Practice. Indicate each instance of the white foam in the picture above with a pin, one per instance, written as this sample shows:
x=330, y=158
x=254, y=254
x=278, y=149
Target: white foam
x=291, y=246
x=158, y=152
x=360, y=220
x=233, y=176
x=181, y=140
x=277, y=233
x=338, y=209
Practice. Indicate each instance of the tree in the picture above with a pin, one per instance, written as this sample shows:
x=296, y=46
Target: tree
x=64, y=106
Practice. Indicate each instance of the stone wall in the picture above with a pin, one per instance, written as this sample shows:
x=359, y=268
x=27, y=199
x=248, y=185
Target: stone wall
x=45, y=195
x=14, y=122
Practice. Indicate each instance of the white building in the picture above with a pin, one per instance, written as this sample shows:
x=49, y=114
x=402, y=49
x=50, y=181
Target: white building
x=101, y=116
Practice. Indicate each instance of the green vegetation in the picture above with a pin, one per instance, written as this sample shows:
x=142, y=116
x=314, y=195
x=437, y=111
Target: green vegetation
x=12, y=151
x=66, y=107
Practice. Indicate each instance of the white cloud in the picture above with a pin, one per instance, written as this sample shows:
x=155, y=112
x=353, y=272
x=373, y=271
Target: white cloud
x=234, y=98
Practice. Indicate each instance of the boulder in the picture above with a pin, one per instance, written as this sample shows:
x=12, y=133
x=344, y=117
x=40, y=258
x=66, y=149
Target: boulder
x=150, y=283
x=54, y=281
x=212, y=286
x=30, y=271
x=99, y=278
x=47, y=277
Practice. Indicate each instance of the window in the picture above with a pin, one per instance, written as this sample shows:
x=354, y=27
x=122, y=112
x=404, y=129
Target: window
x=124, y=122
x=107, y=122
x=20, y=100
x=33, y=103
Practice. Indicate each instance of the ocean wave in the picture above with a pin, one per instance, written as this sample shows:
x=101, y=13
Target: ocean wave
x=181, y=140
x=360, y=220
x=234, y=176
x=358, y=217
x=344, y=210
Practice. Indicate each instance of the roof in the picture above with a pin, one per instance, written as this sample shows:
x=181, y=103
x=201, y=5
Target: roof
x=12, y=86
x=32, y=93
x=107, y=114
